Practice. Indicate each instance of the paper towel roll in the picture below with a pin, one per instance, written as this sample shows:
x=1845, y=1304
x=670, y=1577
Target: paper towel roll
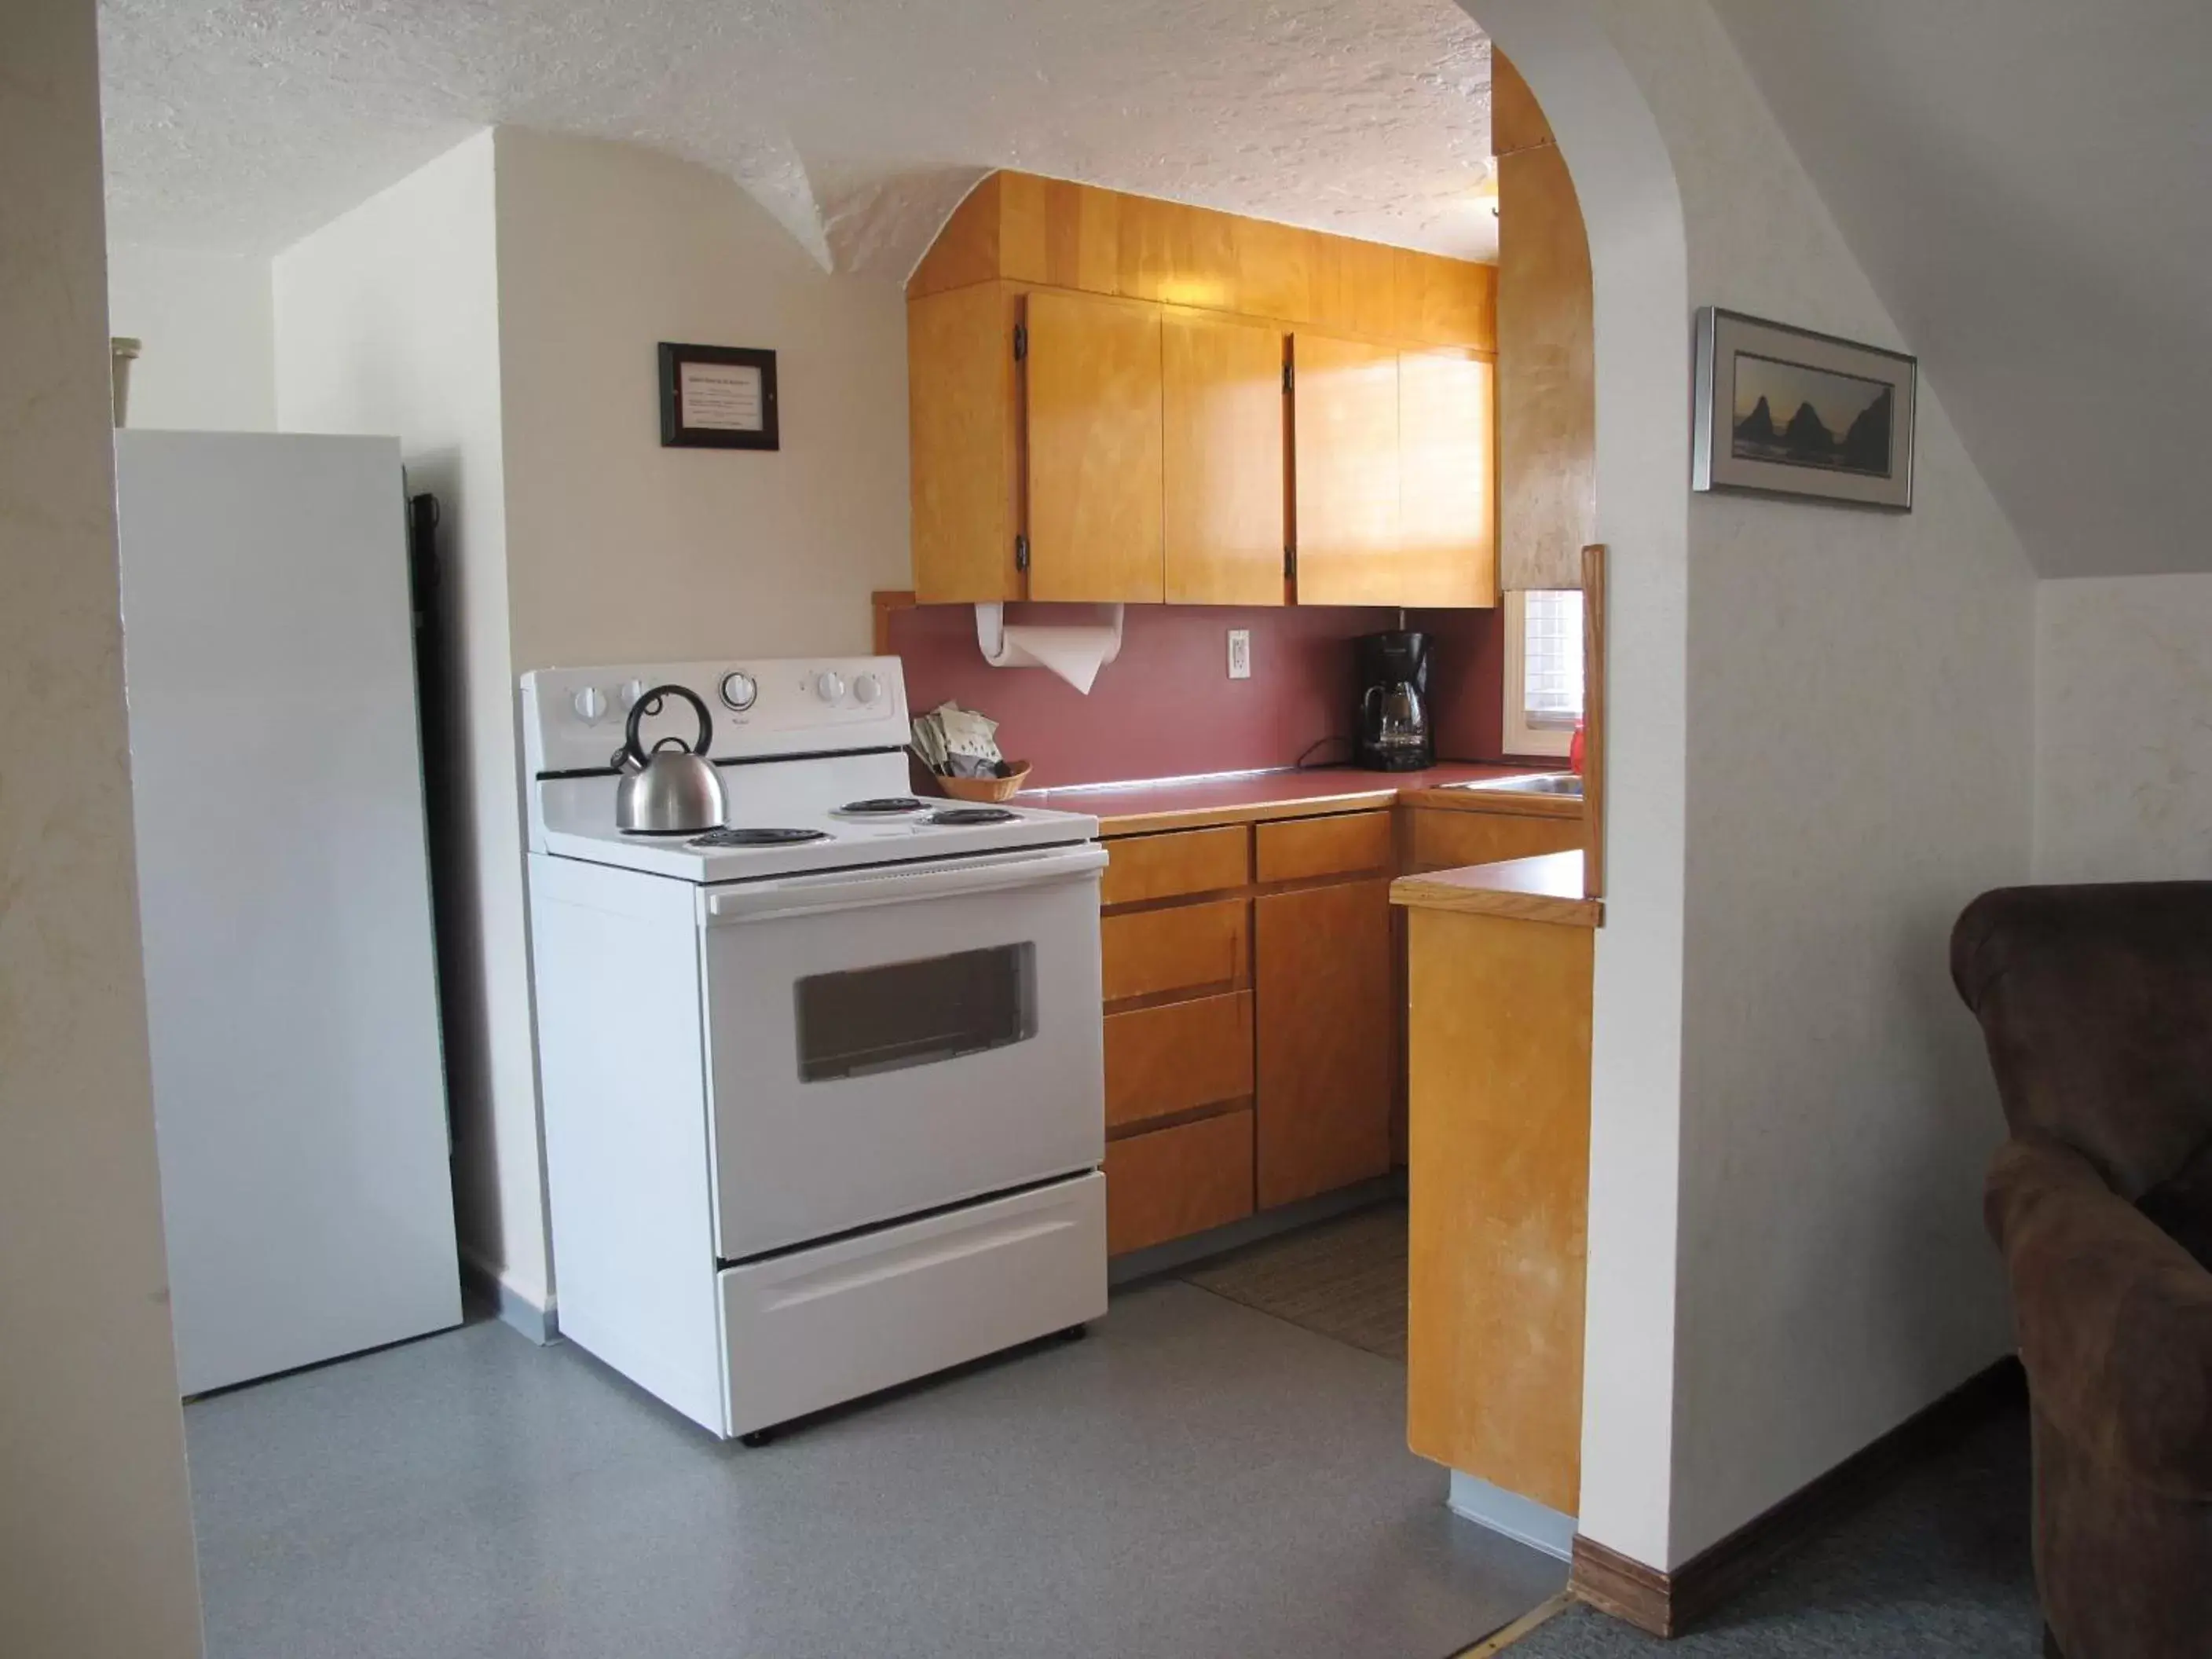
x=1074, y=651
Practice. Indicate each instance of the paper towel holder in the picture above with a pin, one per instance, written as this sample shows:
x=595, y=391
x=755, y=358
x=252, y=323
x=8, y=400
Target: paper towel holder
x=991, y=630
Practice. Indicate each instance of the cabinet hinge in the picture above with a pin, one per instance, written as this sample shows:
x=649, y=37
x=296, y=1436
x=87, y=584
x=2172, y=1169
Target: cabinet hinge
x=1021, y=552
x=1290, y=377
x=1289, y=563
x=1021, y=340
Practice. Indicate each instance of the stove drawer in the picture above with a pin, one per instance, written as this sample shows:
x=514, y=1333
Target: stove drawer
x=815, y=1328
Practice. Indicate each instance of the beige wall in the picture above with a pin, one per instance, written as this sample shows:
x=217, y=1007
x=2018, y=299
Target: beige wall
x=387, y=321
x=620, y=549
x=208, y=325
x=96, y=1538
x=2124, y=729
x=499, y=311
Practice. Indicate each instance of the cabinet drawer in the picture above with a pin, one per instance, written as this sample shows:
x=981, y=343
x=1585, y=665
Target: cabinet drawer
x=1141, y=868
x=1297, y=848
x=1177, y=1057
x=1176, y=1181
x=1186, y=947
x=1447, y=840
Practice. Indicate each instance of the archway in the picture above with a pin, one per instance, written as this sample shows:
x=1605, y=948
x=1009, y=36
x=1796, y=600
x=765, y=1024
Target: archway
x=1633, y=210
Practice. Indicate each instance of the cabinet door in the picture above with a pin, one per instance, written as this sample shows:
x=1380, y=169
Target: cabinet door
x=1224, y=460
x=1447, y=480
x=1344, y=412
x=962, y=396
x=1327, y=1029
x=1095, y=488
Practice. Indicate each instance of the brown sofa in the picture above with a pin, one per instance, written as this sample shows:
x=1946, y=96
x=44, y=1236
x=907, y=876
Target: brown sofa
x=2097, y=1006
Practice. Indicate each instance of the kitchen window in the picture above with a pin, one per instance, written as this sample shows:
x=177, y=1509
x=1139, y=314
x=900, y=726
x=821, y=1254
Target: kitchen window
x=1543, y=671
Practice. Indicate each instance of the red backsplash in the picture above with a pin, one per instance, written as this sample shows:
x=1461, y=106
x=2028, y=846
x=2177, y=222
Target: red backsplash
x=1166, y=707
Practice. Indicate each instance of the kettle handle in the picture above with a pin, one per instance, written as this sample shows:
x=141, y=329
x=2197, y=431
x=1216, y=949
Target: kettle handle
x=650, y=703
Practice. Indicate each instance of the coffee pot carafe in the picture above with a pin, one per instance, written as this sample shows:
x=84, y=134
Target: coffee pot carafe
x=1393, y=717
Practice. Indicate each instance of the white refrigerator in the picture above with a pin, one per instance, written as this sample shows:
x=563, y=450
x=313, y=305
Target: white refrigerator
x=284, y=898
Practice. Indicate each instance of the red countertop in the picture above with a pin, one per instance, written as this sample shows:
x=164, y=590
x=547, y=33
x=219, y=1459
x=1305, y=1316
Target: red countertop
x=1124, y=809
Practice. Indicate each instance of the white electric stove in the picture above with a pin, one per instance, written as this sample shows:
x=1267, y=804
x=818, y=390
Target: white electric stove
x=823, y=1086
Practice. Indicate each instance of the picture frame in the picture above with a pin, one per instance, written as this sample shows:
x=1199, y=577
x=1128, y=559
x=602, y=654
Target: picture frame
x=1785, y=411
x=718, y=398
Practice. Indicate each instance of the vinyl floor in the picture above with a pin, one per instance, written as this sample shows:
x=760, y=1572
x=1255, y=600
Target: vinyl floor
x=1936, y=1566
x=1344, y=1278
x=1198, y=1480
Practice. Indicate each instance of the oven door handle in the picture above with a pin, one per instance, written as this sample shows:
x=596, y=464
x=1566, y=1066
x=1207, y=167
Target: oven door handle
x=805, y=896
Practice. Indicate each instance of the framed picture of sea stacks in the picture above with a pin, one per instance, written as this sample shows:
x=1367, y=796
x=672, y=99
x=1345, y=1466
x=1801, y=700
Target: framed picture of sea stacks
x=1783, y=412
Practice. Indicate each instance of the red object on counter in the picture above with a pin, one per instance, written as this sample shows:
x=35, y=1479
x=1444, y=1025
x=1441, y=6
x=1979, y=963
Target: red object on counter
x=1575, y=748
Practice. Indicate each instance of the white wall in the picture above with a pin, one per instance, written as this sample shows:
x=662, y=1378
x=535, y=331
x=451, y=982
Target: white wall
x=95, y=1523
x=208, y=326
x=2124, y=729
x=387, y=321
x=620, y=549
x=1859, y=762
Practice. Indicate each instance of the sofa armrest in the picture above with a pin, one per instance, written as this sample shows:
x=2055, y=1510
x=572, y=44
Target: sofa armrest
x=2115, y=1319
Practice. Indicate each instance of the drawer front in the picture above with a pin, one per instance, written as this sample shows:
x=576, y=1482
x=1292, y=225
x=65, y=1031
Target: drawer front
x=1350, y=843
x=815, y=1328
x=1189, y=946
x=1446, y=840
x=1177, y=1057
x=1140, y=867
x=1173, y=1182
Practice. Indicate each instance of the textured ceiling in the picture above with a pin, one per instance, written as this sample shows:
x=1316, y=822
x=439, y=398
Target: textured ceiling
x=238, y=125
x=2028, y=183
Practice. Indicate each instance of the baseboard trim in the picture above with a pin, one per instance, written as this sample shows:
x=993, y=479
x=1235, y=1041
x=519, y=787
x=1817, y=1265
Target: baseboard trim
x=483, y=1285
x=1179, y=1252
x=1666, y=1604
x=1507, y=1514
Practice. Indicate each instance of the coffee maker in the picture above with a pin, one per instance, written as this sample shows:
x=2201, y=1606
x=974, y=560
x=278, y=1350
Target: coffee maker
x=1392, y=720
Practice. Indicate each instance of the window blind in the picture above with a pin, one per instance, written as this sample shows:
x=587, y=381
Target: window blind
x=1551, y=657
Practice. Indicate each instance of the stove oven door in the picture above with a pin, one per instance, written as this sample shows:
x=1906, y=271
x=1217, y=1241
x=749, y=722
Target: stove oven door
x=883, y=1042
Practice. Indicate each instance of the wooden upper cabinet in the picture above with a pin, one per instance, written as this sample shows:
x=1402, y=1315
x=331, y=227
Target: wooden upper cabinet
x=1095, y=481
x=1447, y=481
x=1145, y=449
x=962, y=392
x=1345, y=425
x=1546, y=373
x=1222, y=383
x=1517, y=121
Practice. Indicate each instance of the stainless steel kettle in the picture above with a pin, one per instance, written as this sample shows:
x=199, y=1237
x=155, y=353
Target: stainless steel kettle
x=672, y=790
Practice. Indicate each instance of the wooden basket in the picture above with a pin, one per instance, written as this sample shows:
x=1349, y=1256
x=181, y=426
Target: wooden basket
x=1001, y=788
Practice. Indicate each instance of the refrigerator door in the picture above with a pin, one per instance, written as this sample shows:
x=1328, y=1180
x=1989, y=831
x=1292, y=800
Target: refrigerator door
x=284, y=899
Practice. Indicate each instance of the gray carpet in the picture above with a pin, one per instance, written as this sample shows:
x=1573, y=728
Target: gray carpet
x=1195, y=1481
x=1344, y=1278
x=1937, y=1564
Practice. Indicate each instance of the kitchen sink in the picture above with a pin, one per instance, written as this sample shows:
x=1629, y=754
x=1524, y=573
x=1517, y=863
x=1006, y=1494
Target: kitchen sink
x=1532, y=783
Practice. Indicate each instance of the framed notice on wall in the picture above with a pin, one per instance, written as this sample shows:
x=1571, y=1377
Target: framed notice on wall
x=717, y=397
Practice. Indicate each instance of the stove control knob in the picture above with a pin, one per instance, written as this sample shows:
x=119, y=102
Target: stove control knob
x=629, y=692
x=828, y=685
x=738, y=690
x=867, y=688
x=590, y=705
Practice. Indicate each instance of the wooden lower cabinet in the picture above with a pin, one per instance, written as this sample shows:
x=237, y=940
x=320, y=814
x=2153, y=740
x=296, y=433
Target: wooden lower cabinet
x=1325, y=982
x=1254, y=994
x=1440, y=838
x=1170, y=1182
x=1177, y=1058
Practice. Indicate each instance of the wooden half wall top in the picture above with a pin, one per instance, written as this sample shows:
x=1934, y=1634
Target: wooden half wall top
x=1015, y=226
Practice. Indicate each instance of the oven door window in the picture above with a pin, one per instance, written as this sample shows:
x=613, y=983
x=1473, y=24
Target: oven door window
x=866, y=1020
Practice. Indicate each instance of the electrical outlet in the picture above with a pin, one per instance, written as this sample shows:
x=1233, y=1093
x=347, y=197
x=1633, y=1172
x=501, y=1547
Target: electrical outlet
x=1240, y=653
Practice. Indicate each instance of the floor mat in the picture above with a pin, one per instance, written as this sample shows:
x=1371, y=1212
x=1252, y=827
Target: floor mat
x=1344, y=1278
